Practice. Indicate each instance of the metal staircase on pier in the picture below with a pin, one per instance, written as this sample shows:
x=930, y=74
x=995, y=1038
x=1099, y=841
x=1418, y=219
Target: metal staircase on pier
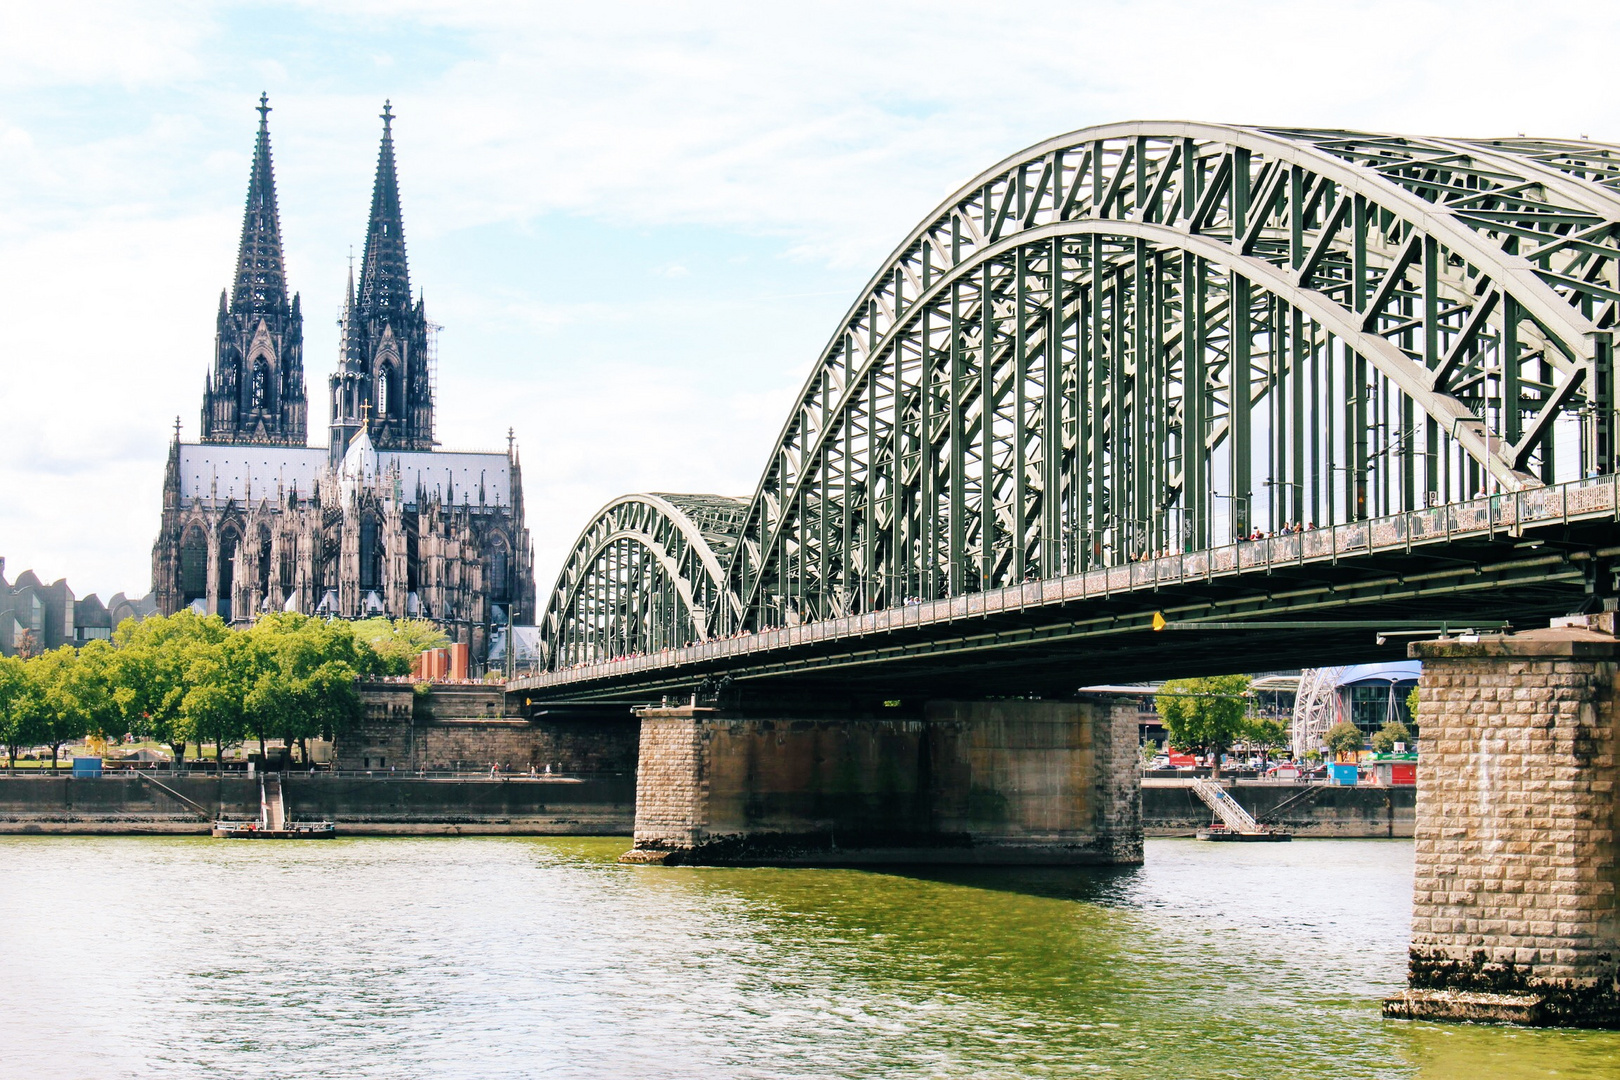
x=1236, y=823
x=273, y=823
x=272, y=807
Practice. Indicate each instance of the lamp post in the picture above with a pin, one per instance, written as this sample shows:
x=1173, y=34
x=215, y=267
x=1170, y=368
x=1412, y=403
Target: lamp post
x=1243, y=520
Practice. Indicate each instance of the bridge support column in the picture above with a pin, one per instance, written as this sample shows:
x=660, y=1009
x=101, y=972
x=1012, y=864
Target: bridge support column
x=1514, y=905
x=990, y=782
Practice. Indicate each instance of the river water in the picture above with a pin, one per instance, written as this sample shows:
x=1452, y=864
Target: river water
x=405, y=958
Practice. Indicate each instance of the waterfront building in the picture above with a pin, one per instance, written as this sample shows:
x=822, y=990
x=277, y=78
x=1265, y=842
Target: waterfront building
x=1366, y=695
x=35, y=616
x=380, y=521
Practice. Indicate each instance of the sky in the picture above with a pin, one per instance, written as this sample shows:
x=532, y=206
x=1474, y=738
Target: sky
x=638, y=222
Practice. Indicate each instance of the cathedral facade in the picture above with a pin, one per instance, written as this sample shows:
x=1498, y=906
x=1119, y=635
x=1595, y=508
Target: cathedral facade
x=379, y=521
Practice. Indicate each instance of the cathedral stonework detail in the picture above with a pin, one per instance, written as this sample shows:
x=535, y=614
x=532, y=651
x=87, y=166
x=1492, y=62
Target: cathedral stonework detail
x=255, y=394
x=378, y=522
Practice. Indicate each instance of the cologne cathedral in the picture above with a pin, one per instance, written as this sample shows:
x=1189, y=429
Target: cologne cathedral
x=380, y=521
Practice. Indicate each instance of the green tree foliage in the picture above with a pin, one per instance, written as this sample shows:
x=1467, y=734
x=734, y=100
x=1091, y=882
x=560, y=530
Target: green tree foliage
x=301, y=675
x=1344, y=738
x=396, y=643
x=1267, y=734
x=61, y=684
x=218, y=675
x=153, y=673
x=1385, y=738
x=1204, y=714
x=22, y=709
x=1150, y=749
x=188, y=678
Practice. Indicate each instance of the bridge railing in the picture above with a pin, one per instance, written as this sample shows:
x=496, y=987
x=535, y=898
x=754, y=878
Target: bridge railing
x=1487, y=515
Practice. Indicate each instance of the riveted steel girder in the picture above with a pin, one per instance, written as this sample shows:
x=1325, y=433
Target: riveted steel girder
x=1151, y=337
x=646, y=574
x=1069, y=358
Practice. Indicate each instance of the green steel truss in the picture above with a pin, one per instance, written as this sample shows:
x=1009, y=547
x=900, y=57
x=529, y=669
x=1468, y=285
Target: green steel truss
x=648, y=573
x=1153, y=337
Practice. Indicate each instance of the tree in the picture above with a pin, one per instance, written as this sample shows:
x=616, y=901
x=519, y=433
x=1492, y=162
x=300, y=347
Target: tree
x=1206, y=714
x=214, y=707
x=1385, y=738
x=396, y=643
x=21, y=708
x=90, y=690
x=1344, y=738
x=303, y=676
x=1267, y=733
x=1150, y=749
x=152, y=678
x=61, y=721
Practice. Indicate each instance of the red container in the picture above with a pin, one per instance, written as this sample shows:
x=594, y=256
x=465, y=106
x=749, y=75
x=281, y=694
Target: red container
x=1403, y=772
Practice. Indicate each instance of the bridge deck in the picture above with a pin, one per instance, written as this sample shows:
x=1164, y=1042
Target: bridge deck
x=1523, y=554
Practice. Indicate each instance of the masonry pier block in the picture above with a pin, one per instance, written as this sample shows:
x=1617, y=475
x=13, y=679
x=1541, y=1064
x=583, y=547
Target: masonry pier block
x=990, y=782
x=1514, y=908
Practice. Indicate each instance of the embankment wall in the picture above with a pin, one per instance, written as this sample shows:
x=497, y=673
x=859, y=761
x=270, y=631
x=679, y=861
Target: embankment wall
x=596, y=805
x=455, y=727
x=600, y=804
x=1170, y=808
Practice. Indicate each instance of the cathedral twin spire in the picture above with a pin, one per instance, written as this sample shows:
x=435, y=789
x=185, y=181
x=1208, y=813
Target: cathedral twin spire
x=261, y=273
x=255, y=393
x=385, y=280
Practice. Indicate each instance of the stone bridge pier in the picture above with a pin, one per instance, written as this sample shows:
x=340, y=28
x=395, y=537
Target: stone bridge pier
x=1514, y=905
x=991, y=782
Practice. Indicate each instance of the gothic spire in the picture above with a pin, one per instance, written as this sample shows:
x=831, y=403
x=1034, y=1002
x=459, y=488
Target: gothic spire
x=261, y=276
x=350, y=348
x=385, y=281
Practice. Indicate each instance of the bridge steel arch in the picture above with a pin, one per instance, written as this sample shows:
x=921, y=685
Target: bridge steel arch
x=646, y=574
x=1154, y=336
x=1145, y=337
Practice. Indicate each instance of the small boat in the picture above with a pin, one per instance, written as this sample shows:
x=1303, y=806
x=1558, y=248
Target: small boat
x=273, y=823
x=1264, y=834
x=292, y=830
x=1235, y=822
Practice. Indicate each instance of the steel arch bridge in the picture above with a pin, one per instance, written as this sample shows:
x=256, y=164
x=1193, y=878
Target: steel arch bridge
x=1147, y=339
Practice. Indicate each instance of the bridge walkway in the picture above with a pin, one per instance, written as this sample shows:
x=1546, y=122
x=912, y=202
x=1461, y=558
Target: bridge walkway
x=1470, y=551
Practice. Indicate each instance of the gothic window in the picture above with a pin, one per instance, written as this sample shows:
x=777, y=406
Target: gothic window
x=386, y=403
x=261, y=384
x=264, y=561
x=193, y=566
x=370, y=555
x=229, y=543
x=286, y=567
x=413, y=563
x=500, y=572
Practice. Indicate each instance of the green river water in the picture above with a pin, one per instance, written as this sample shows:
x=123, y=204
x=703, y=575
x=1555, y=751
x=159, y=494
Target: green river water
x=406, y=958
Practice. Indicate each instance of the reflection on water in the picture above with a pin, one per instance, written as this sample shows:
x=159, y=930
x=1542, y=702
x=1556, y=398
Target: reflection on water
x=505, y=957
